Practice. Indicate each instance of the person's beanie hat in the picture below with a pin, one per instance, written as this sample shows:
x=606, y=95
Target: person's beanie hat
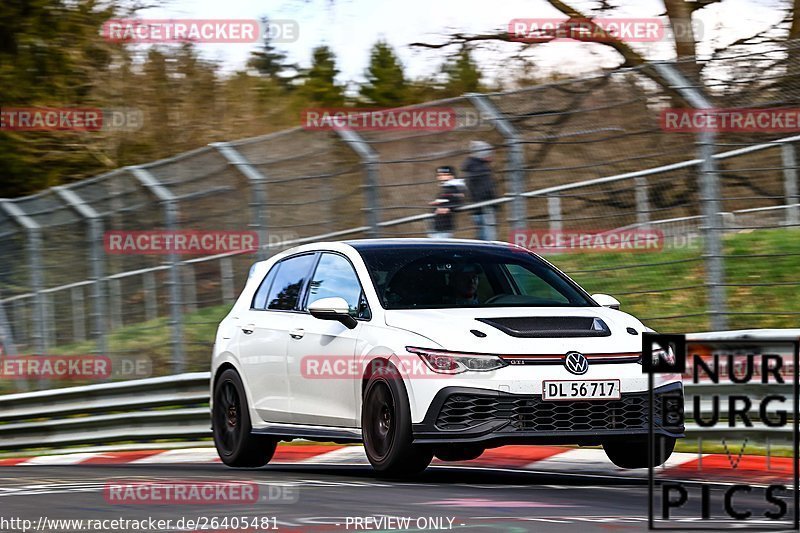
x=480, y=149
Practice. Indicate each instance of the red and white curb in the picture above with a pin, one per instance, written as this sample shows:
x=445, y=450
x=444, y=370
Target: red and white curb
x=551, y=459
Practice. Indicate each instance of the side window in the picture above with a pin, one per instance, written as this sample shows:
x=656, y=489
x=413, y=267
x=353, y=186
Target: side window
x=260, y=299
x=288, y=282
x=335, y=277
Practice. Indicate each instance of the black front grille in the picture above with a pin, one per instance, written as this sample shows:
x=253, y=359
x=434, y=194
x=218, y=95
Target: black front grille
x=530, y=413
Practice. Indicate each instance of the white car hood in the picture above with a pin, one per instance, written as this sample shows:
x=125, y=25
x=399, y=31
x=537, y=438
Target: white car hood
x=450, y=329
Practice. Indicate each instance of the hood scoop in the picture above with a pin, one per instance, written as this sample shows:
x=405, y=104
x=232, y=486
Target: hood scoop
x=549, y=326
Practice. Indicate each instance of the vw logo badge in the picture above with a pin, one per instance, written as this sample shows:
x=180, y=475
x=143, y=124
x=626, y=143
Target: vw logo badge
x=576, y=363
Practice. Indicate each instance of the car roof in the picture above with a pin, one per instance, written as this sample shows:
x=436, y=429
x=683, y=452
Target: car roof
x=368, y=244
x=360, y=245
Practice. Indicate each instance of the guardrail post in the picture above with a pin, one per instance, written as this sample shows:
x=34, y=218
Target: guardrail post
x=789, y=157
x=34, y=243
x=371, y=162
x=709, y=197
x=96, y=259
x=516, y=158
x=554, y=211
x=170, y=204
x=259, y=215
x=642, y=201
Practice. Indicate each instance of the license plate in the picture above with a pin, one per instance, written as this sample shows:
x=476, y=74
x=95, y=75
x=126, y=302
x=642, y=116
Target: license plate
x=605, y=389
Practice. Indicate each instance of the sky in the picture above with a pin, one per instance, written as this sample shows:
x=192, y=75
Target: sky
x=351, y=27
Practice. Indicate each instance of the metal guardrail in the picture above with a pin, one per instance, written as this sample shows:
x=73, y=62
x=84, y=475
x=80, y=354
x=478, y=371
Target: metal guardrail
x=169, y=407
x=176, y=408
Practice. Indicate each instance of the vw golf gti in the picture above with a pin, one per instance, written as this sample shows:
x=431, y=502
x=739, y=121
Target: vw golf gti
x=421, y=348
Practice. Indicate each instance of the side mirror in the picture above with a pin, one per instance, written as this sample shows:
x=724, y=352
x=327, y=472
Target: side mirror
x=606, y=301
x=333, y=309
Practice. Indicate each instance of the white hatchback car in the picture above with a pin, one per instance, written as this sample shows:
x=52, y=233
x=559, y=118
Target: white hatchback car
x=422, y=348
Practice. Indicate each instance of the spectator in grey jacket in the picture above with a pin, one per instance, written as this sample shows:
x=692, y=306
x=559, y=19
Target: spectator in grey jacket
x=481, y=185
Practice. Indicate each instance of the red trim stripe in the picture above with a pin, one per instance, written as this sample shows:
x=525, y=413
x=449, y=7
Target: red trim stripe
x=559, y=357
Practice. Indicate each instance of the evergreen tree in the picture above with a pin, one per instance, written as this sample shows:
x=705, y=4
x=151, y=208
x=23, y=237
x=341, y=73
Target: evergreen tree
x=386, y=83
x=271, y=62
x=320, y=86
x=51, y=54
x=461, y=74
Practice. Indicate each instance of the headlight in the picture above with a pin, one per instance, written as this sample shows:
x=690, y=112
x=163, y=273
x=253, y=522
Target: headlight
x=444, y=362
x=660, y=354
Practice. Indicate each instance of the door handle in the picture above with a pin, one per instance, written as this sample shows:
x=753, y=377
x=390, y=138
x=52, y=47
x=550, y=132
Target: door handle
x=297, y=333
x=247, y=330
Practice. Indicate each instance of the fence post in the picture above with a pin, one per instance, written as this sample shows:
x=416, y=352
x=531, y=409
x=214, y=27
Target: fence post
x=371, y=162
x=789, y=156
x=150, y=296
x=554, y=211
x=34, y=233
x=259, y=215
x=115, y=292
x=6, y=333
x=516, y=158
x=78, y=314
x=710, y=198
x=170, y=204
x=190, y=282
x=49, y=320
x=20, y=322
x=642, y=201
x=96, y=259
x=226, y=279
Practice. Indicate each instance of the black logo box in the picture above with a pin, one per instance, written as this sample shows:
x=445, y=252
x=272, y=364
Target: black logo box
x=679, y=345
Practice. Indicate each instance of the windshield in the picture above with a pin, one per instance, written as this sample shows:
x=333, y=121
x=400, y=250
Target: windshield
x=442, y=277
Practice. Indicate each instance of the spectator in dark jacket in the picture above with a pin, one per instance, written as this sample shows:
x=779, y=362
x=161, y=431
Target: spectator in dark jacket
x=481, y=185
x=451, y=195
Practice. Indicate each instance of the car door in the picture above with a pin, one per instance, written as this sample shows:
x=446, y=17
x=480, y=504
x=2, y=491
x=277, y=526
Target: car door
x=326, y=397
x=264, y=334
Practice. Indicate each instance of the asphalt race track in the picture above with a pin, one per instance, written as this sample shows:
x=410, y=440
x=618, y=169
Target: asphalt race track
x=329, y=497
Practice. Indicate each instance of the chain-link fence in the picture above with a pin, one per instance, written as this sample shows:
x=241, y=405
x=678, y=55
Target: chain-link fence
x=586, y=155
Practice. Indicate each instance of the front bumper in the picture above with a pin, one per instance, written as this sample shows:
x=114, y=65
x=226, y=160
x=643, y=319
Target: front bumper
x=495, y=418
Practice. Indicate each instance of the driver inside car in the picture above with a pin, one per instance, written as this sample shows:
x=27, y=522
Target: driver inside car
x=464, y=285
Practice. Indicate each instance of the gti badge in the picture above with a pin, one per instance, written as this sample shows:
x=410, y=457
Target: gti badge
x=576, y=363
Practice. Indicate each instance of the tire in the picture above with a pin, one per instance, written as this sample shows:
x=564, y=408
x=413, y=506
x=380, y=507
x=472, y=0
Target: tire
x=458, y=453
x=386, y=427
x=230, y=420
x=634, y=454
